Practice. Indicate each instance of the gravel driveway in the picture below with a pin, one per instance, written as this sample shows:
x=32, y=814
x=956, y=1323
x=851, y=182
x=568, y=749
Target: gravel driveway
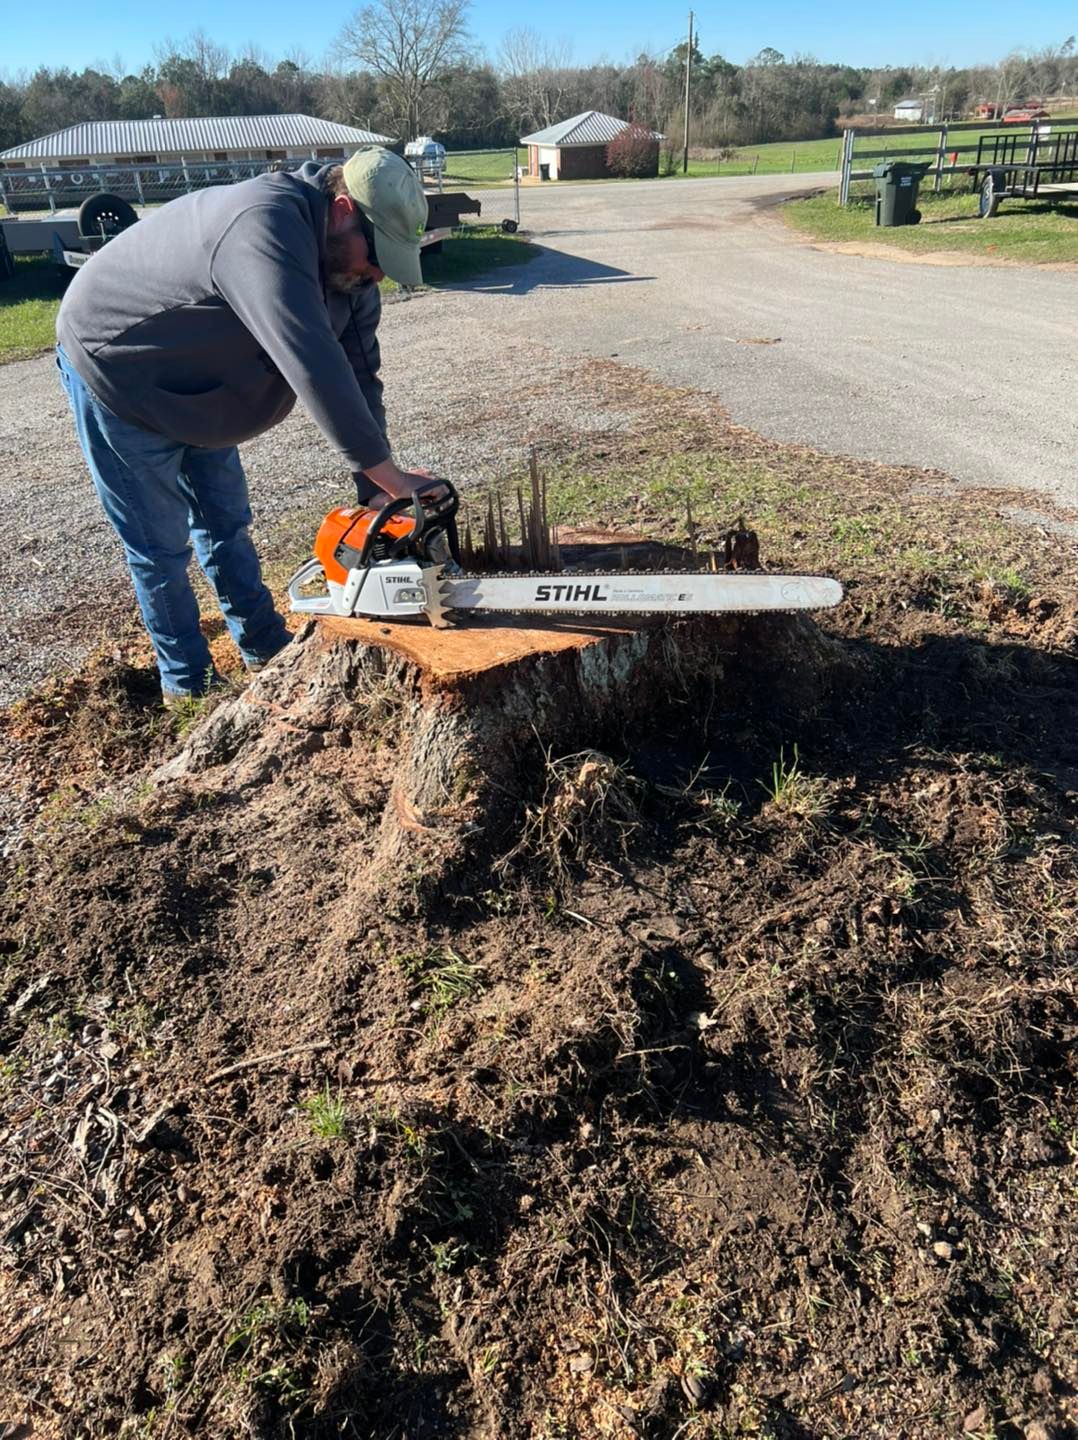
x=901, y=363
x=461, y=402
x=968, y=369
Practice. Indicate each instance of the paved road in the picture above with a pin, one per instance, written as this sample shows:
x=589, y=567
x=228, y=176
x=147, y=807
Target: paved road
x=971, y=370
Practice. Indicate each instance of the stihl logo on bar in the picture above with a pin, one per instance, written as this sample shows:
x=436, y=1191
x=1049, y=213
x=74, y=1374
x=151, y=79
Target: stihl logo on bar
x=570, y=593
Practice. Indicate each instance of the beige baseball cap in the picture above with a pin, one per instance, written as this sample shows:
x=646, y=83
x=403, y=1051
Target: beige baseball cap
x=389, y=193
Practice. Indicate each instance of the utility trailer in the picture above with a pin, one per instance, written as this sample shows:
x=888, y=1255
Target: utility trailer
x=1043, y=166
x=70, y=239
x=74, y=239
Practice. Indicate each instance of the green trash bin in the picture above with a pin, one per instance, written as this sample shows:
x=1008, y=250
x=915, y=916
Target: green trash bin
x=897, y=183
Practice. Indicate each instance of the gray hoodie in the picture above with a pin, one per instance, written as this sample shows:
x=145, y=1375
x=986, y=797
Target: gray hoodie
x=206, y=320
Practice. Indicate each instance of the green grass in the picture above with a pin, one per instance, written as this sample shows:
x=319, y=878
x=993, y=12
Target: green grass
x=791, y=790
x=28, y=306
x=481, y=167
x=813, y=516
x=445, y=976
x=783, y=157
x=1023, y=230
x=327, y=1114
x=475, y=251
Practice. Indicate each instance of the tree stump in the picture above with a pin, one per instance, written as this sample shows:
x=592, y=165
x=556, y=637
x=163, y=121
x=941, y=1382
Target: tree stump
x=432, y=740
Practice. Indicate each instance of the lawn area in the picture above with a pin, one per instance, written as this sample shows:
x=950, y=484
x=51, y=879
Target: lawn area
x=491, y=167
x=1023, y=230
x=481, y=167
x=475, y=251
x=784, y=157
x=28, y=305
x=29, y=302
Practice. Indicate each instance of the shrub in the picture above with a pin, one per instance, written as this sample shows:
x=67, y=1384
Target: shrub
x=633, y=152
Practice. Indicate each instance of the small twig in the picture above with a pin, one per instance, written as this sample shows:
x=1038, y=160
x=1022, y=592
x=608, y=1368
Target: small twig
x=263, y=1059
x=146, y=1129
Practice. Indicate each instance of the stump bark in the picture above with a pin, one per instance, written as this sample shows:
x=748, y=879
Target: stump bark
x=433, y=739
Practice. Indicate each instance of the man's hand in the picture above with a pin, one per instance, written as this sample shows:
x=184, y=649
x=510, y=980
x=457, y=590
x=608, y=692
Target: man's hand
x=395, y=482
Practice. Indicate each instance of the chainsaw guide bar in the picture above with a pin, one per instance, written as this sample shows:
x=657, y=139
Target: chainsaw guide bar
x=382, y=565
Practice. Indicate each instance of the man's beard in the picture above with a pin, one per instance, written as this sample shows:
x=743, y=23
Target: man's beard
x=338, y=278
x=343, y=284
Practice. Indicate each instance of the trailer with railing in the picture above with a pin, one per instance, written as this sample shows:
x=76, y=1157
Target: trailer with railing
x=72, y=239
x=1039, y=162
x=1040, y=166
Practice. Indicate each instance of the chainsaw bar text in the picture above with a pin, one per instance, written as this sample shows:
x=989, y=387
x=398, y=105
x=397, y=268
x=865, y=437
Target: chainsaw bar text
x=571, y=594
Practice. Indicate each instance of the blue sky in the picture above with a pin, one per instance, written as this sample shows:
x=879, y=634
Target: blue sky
x=916, y=32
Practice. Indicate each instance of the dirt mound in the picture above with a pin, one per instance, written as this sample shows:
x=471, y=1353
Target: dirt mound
x=371, y=1071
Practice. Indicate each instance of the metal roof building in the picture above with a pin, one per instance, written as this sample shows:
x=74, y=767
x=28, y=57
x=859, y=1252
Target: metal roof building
x=590, y=127
x=226, y=137
x=575, y=149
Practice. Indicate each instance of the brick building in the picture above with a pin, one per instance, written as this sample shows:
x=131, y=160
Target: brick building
x=575, y=149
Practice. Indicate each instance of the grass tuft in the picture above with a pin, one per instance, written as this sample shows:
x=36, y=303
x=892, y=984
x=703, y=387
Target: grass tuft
x=445, y=977
x=327, y=1114
x=588, y=801
x=264, y=1346
x=795, y=793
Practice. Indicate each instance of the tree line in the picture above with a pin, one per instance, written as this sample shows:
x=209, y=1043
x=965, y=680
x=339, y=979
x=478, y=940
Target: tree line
x=408, y=67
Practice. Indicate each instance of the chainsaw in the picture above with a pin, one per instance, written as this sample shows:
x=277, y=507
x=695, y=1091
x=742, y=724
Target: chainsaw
x=402, y=562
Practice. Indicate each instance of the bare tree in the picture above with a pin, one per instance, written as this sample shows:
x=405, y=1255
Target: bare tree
x=408, y=44
x=190, y=74
x=535, y=78
x=350, y=97
x=1012, y=76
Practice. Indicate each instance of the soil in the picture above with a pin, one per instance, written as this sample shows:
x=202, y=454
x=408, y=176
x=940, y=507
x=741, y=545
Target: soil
x=714, y=1078
x=876, y=250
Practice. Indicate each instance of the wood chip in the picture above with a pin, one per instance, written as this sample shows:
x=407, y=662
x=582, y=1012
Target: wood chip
x=31, y=992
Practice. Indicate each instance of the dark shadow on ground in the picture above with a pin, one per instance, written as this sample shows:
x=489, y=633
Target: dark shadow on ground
x=553, y=270
x=1046, y=207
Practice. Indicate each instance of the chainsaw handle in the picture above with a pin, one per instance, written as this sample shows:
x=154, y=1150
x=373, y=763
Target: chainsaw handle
x=309, y=604
x=436, y=514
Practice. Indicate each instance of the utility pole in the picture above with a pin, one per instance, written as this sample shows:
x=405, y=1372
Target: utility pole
x=688, y=74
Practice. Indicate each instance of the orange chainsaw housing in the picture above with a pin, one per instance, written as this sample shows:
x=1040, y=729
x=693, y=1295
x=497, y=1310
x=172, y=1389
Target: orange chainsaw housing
x=343, y=533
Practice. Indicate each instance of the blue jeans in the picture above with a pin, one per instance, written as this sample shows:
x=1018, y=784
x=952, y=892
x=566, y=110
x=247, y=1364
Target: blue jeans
x=160, y=496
